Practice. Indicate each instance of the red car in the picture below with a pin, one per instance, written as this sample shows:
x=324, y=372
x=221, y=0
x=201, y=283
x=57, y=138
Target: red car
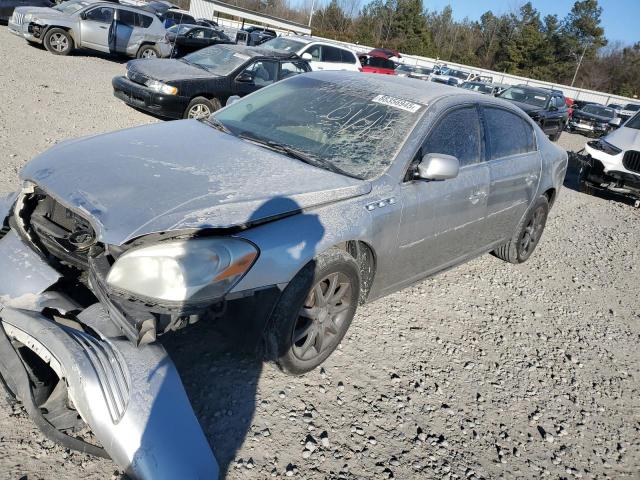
x=379, y=60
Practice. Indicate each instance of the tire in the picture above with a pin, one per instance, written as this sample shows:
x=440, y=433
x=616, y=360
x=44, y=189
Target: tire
x=201, y=107
x=556, y=136
x=148, y=51
x=527, y=234
x=302, y=334
x=58, y=41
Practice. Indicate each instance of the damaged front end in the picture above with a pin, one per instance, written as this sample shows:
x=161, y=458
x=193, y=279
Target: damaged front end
x=73, y=365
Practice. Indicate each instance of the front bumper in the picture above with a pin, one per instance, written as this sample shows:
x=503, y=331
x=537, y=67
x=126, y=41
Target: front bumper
x=131, y=398
x=23, y=30
x=576, y=124
x=143, y=98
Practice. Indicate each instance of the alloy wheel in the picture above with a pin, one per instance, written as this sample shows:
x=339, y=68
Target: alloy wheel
x=321, y=317
x=532, y=232
x=59, y=42
x=149, y=53
x=199, y=111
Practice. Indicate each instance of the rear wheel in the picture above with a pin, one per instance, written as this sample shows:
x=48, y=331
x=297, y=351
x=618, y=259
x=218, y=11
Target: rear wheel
x=58, y=41
x=527, y=234
x=148, y=51
x=201, y=107
x=314, y=312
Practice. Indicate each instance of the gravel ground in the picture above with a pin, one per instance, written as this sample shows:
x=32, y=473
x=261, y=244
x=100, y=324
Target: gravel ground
x=487, y=371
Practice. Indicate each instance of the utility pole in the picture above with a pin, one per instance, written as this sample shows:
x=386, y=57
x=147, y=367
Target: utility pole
x=584, y=50
x=313, y=2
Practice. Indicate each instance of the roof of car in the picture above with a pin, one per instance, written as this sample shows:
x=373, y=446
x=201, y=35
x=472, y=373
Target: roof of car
x=539, y=89
x=310, y=39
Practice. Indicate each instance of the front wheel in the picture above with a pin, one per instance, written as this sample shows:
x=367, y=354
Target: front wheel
x=58, y=41
x=314, y=313
x=527, y=234
x=201, y=107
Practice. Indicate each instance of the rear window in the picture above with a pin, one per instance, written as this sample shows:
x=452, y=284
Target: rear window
x=283, y=43
x=632, y=107
x=508, y=133
x=331, y=54
x=378, y=62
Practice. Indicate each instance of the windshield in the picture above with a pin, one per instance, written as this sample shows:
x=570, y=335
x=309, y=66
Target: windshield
x=600, y=111
x=179, y=29
x=377, y=62
x=522, y=95
x=478, y=87
x=633, y=122
x=283, y=43
x=632, y=107
x=355, y=129
x=70, y=7
x=217, y=59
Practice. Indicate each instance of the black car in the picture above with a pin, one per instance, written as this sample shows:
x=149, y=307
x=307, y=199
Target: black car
x=545, y=106
x=7, y=7
x=254, y=35
x=593, y=119
x=201, y=82
x=205, y=22
x=189, y=38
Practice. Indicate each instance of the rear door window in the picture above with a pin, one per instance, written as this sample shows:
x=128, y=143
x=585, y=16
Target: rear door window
x=314, y=51
x=127, y=17
x=457, y=134
x=331, y=54
x=289, y=69
x=507, y=133
x=347, y=56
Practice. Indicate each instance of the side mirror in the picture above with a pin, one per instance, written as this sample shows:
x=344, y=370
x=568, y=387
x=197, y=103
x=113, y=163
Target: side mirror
x=307, y=56
x=245, y=77
x=615, y=122
x=232, y=99
x=438, y=166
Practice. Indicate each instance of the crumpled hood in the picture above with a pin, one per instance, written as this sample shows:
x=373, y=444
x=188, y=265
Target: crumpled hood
x=167, y=70
x=624, y=138
x=180, y=175
x=591, y=116
x=40, y=12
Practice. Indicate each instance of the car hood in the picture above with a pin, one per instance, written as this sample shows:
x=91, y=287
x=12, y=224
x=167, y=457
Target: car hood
x=591, y=116
x=529, y=109
x=624, y=138
x=40, y=12
x=180, y=175
x=168, y=70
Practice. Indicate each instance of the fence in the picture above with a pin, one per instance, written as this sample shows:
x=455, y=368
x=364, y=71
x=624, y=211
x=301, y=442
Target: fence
x=206, y=8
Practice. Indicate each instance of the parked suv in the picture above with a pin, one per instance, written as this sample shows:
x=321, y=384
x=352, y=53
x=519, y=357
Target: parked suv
x=254, y=35
x=613, y=162
x=320, y=54
x=96, y=25
x=545, y=106
x=7, y=7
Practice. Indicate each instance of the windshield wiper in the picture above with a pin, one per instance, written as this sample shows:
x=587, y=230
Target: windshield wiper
x=217, y=124
x=297, y=154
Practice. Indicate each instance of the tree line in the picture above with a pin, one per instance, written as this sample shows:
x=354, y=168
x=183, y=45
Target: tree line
x=522, y=42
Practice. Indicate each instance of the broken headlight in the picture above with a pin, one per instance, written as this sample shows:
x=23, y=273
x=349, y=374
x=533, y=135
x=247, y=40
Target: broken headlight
x=160, y=87
x=603, y=146
x=193, y=270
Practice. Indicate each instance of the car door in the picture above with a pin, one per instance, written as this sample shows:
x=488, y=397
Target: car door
x=125, y=23
x=97, y=29
x=443, y=221
x=194, y=40
x=289, y=68
x=515, y=167
x=257, y=74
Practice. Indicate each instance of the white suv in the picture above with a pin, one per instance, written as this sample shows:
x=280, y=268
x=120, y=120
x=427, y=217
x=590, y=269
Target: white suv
x=321, y=55
x=613, y=162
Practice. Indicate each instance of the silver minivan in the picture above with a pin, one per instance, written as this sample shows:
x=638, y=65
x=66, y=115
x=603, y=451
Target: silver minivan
x=96, y=25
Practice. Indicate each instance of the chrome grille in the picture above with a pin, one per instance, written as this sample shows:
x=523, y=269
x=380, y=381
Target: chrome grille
x=18, y=18
x=631, y=161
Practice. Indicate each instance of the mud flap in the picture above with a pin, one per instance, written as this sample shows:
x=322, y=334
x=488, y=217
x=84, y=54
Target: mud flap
x=131, y=398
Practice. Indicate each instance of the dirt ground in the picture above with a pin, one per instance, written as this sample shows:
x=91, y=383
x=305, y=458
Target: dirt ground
x=487, y=371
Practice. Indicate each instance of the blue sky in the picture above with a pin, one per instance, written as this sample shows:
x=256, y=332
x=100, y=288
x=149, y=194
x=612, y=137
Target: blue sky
x=619, y=17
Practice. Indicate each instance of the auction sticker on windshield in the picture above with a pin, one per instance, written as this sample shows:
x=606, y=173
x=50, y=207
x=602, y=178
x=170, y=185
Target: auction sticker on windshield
x=397, y=103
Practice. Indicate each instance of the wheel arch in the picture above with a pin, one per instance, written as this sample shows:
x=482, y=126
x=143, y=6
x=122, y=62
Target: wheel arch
x=69, y=30
x=550, y=193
